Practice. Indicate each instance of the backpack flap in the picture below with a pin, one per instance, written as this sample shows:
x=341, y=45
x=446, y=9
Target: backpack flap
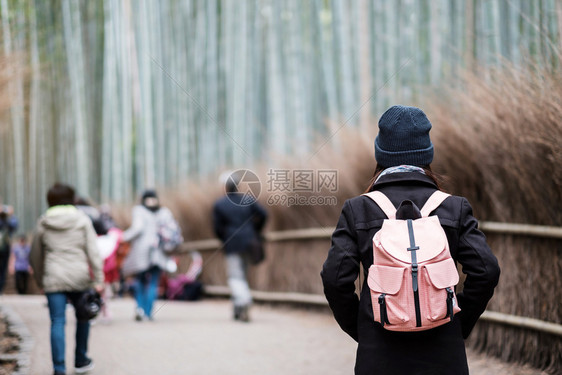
x=439, y=295
x=430, y=237
x=384, y=279
x=443, y=274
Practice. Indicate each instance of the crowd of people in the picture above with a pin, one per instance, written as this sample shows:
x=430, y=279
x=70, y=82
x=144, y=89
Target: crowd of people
x=77, y=253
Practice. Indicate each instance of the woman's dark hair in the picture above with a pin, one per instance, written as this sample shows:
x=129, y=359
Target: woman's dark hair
x=231, y=186
x=150, y=193
x=437, y=179
x=60, y=194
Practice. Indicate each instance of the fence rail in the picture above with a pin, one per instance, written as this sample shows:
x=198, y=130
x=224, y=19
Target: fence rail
x=325, y=233
x=319, y=300
x=521, y=229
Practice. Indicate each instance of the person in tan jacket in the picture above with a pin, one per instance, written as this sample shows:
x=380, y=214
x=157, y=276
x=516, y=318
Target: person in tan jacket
x=66, y=264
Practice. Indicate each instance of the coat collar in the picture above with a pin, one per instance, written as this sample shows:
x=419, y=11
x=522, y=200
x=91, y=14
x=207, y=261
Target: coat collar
x=415, y=178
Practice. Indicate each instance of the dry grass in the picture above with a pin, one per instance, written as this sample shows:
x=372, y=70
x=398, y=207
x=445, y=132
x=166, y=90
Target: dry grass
x=500, y=144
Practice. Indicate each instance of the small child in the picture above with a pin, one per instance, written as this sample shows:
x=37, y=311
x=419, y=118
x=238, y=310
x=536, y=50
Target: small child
x=20, y=251
x=108, y=245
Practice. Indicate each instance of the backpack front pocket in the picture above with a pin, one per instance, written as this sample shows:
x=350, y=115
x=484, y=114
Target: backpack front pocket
x=384, y=283
x=438, y=290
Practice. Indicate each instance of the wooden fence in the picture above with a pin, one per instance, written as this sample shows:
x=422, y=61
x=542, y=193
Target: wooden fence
x=325, y=233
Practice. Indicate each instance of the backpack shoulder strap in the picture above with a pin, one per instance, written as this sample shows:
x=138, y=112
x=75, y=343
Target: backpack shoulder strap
x=433, y=202
x=383, y=202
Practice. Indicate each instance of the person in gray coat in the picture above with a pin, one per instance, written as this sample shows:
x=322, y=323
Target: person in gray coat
x=66, y=264
x=146, y=259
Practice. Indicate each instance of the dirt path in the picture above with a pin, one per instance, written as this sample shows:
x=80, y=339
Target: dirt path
x=200, y=338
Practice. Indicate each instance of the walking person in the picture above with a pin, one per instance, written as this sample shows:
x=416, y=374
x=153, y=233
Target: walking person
x=238, y=223
x=8, y=226
x=66, y=266
x=404, y=152
x=20, y=253
x=108, y=238
x=146, y=259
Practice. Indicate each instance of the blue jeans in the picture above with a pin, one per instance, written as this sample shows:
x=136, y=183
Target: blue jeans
x=57, y=311
x=146, y=289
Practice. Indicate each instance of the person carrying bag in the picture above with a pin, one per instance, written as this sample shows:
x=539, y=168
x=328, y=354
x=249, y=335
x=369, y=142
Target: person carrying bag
x=147, y=257
x=409, y=237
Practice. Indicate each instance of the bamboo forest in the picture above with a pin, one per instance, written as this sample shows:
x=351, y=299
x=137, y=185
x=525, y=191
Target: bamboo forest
x=114, y=96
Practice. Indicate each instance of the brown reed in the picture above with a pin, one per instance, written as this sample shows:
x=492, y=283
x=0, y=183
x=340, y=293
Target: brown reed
x=499, y=142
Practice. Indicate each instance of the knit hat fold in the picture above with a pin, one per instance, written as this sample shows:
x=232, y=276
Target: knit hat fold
x=403, y=138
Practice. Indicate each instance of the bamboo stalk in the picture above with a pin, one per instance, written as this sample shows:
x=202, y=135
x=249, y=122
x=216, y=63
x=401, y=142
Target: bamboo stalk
x=16, y=157
x=362, y=13
x=75, y=65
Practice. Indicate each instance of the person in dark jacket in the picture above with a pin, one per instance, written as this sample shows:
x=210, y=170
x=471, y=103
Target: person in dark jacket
x=404, y=152
x=238, y=222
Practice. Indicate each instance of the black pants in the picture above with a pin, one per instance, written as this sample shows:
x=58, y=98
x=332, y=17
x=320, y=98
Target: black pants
x=21, y=281
x=4, y=257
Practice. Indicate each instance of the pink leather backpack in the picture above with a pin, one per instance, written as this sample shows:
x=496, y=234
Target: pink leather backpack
x=413, y=276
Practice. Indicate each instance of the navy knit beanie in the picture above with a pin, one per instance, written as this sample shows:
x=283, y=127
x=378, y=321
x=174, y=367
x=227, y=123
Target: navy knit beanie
x=403, y=138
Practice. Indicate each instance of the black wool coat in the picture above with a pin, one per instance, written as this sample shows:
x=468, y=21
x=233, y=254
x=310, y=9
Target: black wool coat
x=437, y=351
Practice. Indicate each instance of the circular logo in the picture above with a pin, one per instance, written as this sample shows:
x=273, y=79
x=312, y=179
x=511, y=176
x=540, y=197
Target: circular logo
x=243, y=187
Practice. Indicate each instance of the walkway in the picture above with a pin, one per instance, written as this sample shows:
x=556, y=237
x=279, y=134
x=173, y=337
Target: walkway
x=201, y=338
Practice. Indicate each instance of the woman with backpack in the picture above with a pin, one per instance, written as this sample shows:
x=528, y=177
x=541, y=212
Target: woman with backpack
x=146, y=259
x=391, y=320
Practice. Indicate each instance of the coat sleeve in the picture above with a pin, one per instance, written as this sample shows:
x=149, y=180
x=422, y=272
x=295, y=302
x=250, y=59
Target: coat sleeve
x=481, y=269
x=136, y=226
x=219, y=222
x=340, y=271
x=93, y=253
x=260, y=217
x=37, y=258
